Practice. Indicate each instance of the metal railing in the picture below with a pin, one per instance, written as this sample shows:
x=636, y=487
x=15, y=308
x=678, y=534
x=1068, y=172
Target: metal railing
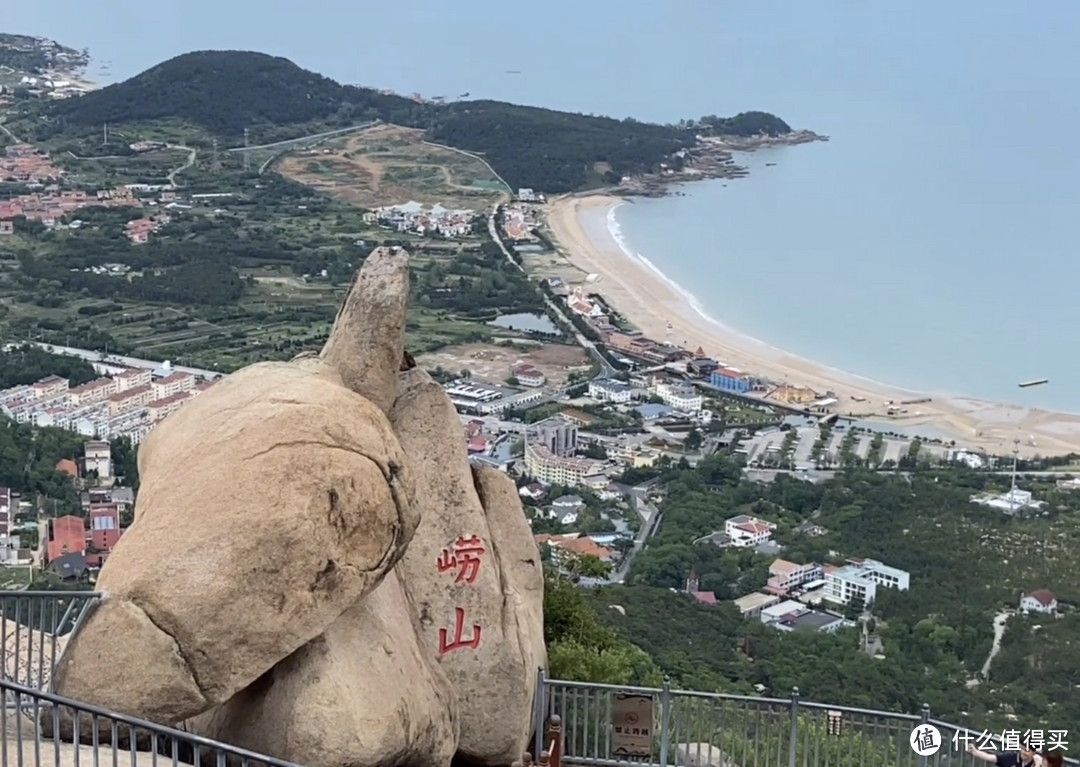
x=597, y=724
x=611, y=726
x=40, y=728
x=34, y=629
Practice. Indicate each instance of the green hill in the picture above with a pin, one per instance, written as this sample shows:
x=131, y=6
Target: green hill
x=226, y=92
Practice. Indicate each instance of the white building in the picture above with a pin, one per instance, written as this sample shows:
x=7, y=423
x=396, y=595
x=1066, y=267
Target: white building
x=97, y=456
x=751, y=605
x=542, y=464
x=529, y=377
x=779, y=610
x=1041, y=601
x=744, y=530
x=860, y=578
x=680, y=396
x=609, y=390
x=969, y=459
x=1012, y=502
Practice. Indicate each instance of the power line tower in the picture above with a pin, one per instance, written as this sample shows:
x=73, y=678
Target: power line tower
x=247, y=155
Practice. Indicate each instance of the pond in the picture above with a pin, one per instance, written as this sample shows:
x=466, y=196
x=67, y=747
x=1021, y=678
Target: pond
x=527, y=323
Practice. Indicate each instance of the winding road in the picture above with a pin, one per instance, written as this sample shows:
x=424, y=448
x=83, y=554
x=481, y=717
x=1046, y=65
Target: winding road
x=187, y=163
x=1000, y=621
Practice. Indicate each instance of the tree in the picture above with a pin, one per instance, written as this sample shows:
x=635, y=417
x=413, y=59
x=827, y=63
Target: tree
x=585, y=565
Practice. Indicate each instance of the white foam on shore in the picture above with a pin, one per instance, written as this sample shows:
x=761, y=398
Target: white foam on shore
x=616, y=233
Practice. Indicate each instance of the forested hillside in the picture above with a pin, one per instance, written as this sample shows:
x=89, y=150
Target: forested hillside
x=226, y=92
x=967, y=563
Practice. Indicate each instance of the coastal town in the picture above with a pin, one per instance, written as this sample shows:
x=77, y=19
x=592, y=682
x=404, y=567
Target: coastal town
x=717, y=524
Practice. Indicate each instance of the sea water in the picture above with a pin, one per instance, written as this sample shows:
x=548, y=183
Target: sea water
x=930, y=244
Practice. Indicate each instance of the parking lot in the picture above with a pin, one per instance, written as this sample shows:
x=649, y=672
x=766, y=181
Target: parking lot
x=766, y=447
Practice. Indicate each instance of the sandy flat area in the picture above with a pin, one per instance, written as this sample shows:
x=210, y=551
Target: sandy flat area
x=650, y=302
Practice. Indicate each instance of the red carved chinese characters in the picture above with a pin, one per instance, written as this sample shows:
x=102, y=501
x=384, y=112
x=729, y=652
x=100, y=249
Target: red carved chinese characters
x=446, y=643
x=465, y=556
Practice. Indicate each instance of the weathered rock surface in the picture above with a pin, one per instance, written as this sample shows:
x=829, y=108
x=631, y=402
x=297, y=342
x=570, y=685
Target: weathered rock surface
x=474, y=575
x=363, y=693
x=315, y=570
x=269, y=505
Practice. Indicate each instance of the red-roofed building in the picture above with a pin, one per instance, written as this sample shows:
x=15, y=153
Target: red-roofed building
x=69, y=467
x=744, y=530
x=67, y=535
x=104, y=532
x=1041, y=601
x=576, y=543
x=529, y=376
x=693, y=584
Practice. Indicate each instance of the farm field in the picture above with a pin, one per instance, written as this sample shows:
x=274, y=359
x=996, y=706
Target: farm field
x=495, y=362
x=389, y=165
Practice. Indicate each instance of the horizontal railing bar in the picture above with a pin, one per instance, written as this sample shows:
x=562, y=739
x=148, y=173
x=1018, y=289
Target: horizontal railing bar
x=117, y=718
x=855, y=710
x=53, y=594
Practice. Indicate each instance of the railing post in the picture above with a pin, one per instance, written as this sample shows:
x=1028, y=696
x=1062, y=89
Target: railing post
x=555, y=739
x=925, y=720
x=665, y=721
x=793, y=735
x=539, y=709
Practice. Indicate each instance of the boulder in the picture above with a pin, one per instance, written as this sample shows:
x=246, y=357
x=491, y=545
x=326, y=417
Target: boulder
x=474, y=576
x=363, y=693
x=269, y=505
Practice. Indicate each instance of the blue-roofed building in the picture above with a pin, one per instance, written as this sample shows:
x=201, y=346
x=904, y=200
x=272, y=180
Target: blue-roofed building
x=650, y=412
x=731, y=380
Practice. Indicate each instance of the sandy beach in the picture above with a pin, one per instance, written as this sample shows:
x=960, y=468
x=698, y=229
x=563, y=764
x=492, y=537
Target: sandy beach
x=650, y=302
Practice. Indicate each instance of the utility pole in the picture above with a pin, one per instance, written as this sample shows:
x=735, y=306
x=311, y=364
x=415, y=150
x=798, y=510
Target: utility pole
x=247, y=155
x=215, y=163
x=1016, y=446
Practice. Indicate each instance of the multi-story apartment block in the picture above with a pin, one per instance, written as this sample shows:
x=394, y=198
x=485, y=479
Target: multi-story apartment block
x=128, y=399
x=166, y=406
x=172, y=384
x=859, y=580
x=50, y=387
x=556, y=434
x=93, y=391
x=544, y=465
x=132, y=378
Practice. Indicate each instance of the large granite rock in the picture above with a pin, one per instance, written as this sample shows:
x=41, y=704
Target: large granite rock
x=269, y=505
x=475, y=578
x=363, y=693
x=315, y=570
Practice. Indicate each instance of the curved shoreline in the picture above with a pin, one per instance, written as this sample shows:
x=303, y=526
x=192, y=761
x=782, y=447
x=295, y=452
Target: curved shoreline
x=649, y=299
x=695, y=304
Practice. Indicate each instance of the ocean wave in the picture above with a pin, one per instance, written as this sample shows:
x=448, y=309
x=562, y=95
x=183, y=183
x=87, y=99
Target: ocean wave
x=615, y=231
